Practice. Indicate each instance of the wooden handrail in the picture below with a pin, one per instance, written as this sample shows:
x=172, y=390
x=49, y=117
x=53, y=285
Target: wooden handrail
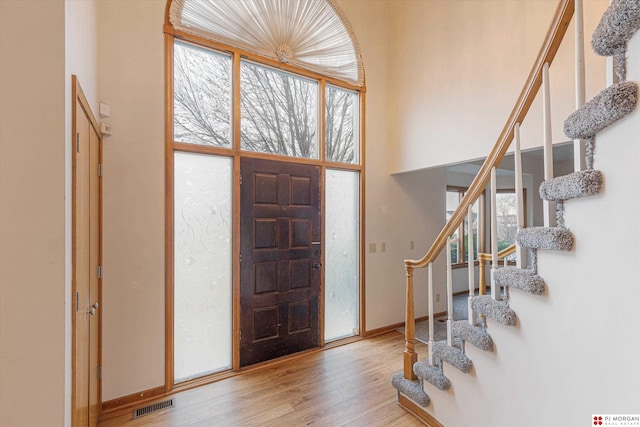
x=556, y=33
x=552, y=42
x=502, y=254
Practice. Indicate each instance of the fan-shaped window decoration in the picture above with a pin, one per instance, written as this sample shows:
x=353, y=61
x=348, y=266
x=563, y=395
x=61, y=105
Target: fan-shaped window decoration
x=311, y=34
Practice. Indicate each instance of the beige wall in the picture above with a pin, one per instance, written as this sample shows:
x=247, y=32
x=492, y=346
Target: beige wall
x=391, y=202
x=459, y=67
x=32, y=213
x=131, y=64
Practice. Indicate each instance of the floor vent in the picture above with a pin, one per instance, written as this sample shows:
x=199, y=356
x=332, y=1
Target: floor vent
x=154, y=407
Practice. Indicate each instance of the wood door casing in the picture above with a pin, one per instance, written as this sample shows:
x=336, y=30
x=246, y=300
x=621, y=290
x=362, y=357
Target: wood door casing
x=280, y=270
x=95, y=320
x=86, y=256
x=81, y=268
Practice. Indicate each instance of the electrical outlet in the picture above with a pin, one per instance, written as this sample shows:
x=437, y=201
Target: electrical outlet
x=437, y=297
x=383, y=247
x=412, y=245
x=372, y=248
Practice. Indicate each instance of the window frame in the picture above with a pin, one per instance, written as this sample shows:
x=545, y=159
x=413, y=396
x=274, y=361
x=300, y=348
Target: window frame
x=485, y=229
x=461, y=228
x=524, y=201
x=236, y=152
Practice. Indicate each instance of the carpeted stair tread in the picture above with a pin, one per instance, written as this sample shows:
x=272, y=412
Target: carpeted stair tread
x=609, y=106
x=472, y=334
x=577, y=184
x=619, y=22
x=520, y=278
x=432, y=374
x=453, y=356
x=496, y=310
x=547, y=238
x=412, y=389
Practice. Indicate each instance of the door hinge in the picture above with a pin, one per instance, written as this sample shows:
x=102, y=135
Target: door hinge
x=99, y=272
x=240, y=257
x=99, y=169
x=77, y=301
x=77, y=142
x=240, y=179
x=99, y=372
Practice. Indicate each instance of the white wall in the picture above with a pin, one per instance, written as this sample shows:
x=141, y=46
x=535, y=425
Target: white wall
x=131, y=64
x=33, y=280
x=80, y=59
x=459, y=68
x=574, y=351
x=81, y=51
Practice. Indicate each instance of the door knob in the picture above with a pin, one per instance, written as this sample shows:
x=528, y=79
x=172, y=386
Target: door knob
x=317, y=266
x=92, y=310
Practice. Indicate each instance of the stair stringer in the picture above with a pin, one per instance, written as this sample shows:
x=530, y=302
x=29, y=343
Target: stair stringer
x=555, y=367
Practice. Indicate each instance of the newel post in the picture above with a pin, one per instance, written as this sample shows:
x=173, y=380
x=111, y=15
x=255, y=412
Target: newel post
x=410, y=355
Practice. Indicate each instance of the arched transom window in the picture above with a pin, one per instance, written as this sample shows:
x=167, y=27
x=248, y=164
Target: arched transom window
x=264, y=182
x=310, y=34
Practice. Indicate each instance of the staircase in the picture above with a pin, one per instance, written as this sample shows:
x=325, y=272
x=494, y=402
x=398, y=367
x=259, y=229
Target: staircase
x=617, y=26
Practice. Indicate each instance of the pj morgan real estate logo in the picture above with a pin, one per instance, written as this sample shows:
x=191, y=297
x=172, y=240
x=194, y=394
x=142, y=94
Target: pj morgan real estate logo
x=615, y=420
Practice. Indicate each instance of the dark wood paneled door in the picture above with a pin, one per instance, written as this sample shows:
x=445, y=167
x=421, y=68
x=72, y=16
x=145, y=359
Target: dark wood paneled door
x=280, y=273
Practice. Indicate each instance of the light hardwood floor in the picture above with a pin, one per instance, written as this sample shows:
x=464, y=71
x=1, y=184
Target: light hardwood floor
x=343, y=386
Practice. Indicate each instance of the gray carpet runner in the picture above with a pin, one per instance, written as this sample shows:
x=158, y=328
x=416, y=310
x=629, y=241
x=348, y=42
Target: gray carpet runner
x=412, y=389
x=496, y=310
x=454, y=356
x=474, y=335
x=616, y=27
x=547, y=238
x=606, y=108
x=520, y=278
x=578, y=184
x=432, y=374
x=620, y=21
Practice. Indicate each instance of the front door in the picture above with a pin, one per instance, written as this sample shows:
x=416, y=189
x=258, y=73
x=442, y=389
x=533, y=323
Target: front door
x=280, y=275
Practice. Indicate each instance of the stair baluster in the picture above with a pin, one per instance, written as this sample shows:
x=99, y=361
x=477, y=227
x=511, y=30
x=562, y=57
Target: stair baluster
x=410, y=355
x=578, y=144
x=431, y=311
x=449, y=295
x=495, y=294
x=470, y=267
x=517, y=157
x=548, y=147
